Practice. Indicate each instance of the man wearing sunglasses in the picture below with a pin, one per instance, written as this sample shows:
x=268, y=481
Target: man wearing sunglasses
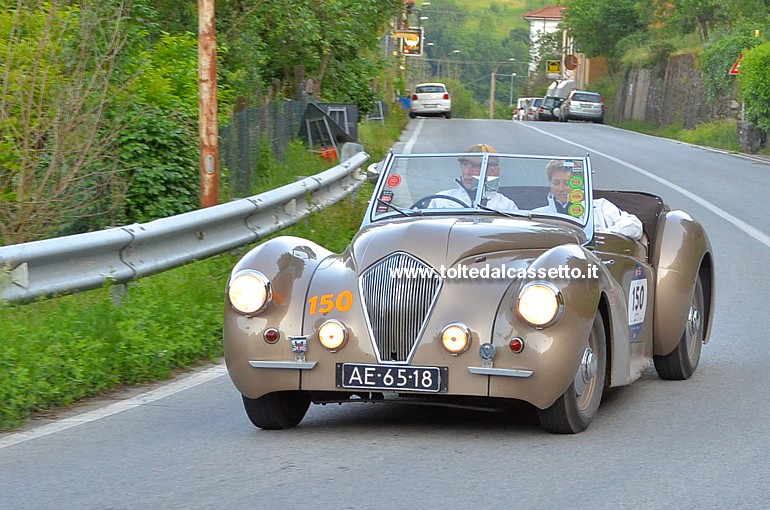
x=470, y=170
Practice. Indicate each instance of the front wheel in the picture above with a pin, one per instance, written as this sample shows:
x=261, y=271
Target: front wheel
x=277, y=411
x=681, y=363
x=574, y=410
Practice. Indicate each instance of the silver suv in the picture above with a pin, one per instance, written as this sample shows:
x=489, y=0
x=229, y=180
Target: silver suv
x=583, y=105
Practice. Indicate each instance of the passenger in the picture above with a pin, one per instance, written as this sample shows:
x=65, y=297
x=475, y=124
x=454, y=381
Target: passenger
x=470, y=168
x=607, y=216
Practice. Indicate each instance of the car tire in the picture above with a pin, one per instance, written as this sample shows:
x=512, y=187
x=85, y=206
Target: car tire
x=681, y=363
x=412, y=115
x=448, y=115
x=573, y=412
x=277, y=411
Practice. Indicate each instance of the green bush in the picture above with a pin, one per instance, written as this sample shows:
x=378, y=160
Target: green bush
x=160, y=150
x=753, y=82
x=716, y=60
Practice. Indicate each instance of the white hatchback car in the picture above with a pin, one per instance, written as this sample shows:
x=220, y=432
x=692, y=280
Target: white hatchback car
x=431, y=99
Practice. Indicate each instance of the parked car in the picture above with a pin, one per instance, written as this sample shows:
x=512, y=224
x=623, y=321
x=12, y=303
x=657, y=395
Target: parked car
x=431, y=99
x=584, y=105
x=532, y=108
x=522, y=105
x=559, y=312
x=549, y=108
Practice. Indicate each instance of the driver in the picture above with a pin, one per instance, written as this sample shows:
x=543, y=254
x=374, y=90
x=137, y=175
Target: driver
x=470, y=168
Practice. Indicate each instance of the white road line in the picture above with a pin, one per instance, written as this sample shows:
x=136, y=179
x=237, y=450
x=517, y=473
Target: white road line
x=413, y=138
x=118, y=407
x=753, y=232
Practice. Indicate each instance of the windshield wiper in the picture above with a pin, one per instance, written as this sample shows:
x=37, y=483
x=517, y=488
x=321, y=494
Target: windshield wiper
x=404, y=212
x=510, y=214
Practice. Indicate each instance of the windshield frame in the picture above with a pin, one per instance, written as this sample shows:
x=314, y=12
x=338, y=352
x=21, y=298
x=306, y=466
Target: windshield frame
x=376, y=214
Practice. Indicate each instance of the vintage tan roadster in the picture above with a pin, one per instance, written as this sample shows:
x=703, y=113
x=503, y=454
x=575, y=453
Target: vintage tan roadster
x=464, y=288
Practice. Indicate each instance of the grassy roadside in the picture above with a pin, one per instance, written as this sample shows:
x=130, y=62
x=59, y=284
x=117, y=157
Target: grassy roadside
x=55, y=352
x=721, y=134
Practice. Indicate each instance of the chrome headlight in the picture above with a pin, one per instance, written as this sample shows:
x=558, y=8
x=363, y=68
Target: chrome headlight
x=249, y=292
x=456, y=338
x=332, y=334
x=540, y=304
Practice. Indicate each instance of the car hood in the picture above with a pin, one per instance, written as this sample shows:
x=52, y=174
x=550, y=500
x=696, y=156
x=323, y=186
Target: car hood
x=445, y=241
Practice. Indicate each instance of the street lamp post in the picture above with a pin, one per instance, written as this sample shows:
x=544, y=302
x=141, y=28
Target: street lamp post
x=492, y=87
x=438, y=70
x=510, y=102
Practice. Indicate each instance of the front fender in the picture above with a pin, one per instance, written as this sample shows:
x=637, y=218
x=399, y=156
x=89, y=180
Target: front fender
x=289, y=264
x=681, y=251
x=554, y=353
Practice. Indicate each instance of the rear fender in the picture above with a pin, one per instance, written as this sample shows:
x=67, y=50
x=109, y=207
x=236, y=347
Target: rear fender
x=682, y=251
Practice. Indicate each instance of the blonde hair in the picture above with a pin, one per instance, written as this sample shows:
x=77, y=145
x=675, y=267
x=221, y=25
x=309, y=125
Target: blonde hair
x=555, y=165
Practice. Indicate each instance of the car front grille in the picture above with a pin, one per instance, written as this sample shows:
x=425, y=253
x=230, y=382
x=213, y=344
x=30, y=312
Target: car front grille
x=397, y=305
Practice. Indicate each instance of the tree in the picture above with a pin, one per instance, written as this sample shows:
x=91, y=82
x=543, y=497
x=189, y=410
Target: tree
x=702, y=15
x=598, y=26
x=57, y=162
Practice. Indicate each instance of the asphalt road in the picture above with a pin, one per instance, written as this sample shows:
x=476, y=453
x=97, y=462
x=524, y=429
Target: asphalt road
x=701, y=443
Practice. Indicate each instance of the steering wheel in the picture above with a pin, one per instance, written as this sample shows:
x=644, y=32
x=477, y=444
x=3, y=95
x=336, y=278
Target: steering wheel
x=424, y=201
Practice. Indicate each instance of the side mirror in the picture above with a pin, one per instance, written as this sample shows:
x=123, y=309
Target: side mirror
x=373, y=172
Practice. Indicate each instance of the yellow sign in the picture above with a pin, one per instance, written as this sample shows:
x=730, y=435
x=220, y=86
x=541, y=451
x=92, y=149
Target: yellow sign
x=553, y=66
x=406, y=34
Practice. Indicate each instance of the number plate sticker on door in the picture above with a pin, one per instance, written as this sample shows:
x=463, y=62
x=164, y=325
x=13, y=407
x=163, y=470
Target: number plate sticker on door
x=637, y=302
x=392, y=377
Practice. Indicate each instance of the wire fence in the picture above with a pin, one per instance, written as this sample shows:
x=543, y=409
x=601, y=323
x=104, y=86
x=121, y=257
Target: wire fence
x=275, y=124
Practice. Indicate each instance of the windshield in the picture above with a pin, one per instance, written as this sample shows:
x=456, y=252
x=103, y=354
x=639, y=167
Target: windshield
x=514, y=184
x=587, y=97
x=430, y=88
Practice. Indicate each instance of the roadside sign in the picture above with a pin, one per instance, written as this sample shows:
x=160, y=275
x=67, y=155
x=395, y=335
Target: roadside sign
x=411, y=41
x=553, y=69
x=736, y=65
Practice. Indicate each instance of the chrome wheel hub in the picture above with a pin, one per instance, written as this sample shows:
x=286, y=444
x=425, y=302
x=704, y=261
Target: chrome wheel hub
x=587, y=370
x=693, y=321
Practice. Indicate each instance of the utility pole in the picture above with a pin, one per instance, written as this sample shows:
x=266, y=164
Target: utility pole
x=208, y=130
x=492, y=95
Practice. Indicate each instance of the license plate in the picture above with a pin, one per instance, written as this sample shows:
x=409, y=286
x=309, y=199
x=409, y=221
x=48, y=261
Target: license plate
x=392, y=377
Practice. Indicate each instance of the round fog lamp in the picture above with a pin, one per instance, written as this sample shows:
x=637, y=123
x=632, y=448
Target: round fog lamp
x=456, y=338
x=249, y=292
x=540, y=304
x=332, y=334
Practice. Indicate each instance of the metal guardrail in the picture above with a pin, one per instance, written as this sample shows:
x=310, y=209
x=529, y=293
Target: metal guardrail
x=81, y=262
